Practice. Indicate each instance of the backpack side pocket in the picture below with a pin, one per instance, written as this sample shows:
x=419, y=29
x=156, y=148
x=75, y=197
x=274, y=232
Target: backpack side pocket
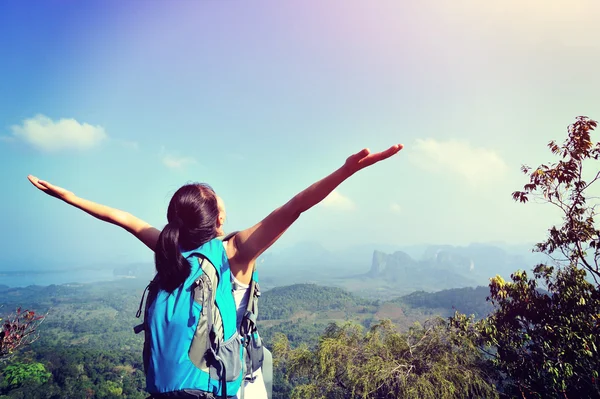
x=201, y=343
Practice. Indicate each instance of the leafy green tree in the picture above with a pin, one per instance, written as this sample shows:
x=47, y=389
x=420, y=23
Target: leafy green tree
x=110, y=389
x=18, y=374
x=429, y=361
x=564, y=185
x=544, y=334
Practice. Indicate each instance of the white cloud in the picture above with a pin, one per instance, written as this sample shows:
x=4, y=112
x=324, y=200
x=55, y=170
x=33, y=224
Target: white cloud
x=44, y=134
x=395, y=208
x=177, y=162
x=173, y=160
x=474, y=165
x=338, y=201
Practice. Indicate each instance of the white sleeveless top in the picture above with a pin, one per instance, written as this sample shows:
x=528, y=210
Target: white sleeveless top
x=241, y=294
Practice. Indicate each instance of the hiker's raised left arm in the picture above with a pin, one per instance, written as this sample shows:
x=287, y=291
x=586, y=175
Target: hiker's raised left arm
x=249, y=244
x=140, y=229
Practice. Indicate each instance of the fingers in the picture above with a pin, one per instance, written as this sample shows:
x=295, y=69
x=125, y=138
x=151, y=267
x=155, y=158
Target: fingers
x=46, y=187
x=357, y=158
x=36, y=182
x=380, y=156
x=394, y=149
x=383, y=154
x=362, y=153
x=387, y=153
x=42, y=184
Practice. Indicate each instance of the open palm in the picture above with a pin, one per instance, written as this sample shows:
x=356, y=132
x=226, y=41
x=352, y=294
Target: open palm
x=50, y=189
x=365, y=158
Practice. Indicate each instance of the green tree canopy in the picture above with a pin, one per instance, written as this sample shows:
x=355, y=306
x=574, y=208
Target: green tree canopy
x=18, y=374
x=429, y=361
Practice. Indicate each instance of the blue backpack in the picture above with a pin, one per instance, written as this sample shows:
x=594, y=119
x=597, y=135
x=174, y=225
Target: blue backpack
x=192, y=345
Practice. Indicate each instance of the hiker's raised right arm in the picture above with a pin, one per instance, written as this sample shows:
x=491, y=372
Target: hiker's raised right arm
x=140, y=229
x=249, y=244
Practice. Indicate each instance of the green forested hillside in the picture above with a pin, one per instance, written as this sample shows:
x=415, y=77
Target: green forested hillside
x=75, y=371
x=284, y=302
x=87, y=348
x=466, y=300
x=303, y=311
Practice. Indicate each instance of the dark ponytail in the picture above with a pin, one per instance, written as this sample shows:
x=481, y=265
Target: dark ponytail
x=192, y=221
x=171, y=267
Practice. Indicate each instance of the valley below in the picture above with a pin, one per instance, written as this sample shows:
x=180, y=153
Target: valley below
x=303, y=291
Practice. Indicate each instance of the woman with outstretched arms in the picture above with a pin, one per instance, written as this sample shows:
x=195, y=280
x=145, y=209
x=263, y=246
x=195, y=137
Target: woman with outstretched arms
x=195, y=218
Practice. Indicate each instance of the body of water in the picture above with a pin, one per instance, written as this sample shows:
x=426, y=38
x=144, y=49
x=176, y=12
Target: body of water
x=24, y=279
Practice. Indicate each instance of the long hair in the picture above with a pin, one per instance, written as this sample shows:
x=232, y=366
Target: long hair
x=192, y=221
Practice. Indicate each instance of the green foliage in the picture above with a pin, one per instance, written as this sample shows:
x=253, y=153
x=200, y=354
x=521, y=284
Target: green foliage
x=563, y=184
x=77, y=373
x=543, y=336
x=303, y=311
x=548, y=342
x=283, y=302
x=466, y=300
x=87, y=344
x=110, y=389
x=18, y=374
x=430, y=361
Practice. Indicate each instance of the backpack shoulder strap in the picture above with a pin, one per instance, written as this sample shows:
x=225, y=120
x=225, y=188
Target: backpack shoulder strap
x=248, y=325
x=151, y=289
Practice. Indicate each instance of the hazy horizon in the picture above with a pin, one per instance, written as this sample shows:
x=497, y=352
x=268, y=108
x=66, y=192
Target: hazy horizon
x=416, y=251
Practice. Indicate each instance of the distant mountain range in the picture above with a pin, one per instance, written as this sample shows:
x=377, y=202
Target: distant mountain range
x=460, y=266
x=376, y=273
x=401, y=270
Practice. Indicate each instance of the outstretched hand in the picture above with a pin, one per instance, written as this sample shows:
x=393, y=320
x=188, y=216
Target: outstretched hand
x=50, y=189
x=364, y=158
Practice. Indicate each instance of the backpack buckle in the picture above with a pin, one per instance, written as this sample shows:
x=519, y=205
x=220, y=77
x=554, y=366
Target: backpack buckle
x=139, y=328
x=246, y=340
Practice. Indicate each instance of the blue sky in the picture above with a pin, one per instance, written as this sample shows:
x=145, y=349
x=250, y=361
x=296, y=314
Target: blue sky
x=123, y=102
